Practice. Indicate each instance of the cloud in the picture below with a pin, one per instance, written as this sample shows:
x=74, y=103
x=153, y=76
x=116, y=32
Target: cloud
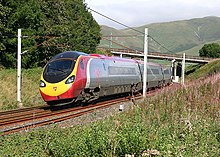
x=141, y=12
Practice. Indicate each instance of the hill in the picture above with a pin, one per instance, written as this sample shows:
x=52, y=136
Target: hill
x=195, y=50
x=199, y=71
x=131, y=42
x=177, y=36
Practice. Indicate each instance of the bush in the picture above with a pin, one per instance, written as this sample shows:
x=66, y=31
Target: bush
x=210, y=50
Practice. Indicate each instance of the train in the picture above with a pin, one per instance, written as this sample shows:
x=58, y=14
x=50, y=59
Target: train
x=77, y=76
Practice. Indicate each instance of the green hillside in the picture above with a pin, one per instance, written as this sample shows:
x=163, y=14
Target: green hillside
x=195, y=50
x=199, y=71
x=131, y=42
x=177, y=36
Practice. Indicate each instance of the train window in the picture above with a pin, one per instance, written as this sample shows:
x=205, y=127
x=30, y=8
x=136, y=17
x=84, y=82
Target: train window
x=58, y=70
x=81, y=64
x=112, y=70
x=149, y=72
x=155, y=71
x=166, y=71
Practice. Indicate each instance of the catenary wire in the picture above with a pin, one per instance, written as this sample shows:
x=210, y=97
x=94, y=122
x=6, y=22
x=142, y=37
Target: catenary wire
x=129, y=28
x=120, y=23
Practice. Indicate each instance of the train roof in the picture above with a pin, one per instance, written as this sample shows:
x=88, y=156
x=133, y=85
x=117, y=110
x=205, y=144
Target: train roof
x=68, y=54
x=75, y=54
x=123, y=59
x=149, y=63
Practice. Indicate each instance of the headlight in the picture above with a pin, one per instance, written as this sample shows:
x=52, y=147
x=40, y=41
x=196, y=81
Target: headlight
x=42, y=84
x=70, y=79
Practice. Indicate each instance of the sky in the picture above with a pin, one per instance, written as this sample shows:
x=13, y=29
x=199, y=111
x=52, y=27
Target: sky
x=136, y=13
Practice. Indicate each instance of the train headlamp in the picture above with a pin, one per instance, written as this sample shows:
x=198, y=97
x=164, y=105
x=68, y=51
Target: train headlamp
x=42, y=84
x=70, y=80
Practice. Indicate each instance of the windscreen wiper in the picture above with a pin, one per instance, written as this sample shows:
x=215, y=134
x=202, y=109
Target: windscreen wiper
x=58, y=70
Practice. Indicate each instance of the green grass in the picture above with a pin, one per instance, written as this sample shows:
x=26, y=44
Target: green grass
x=30, y=88
x=184, y=122
x=195, y=50
x=177, y=122
x=200, y=71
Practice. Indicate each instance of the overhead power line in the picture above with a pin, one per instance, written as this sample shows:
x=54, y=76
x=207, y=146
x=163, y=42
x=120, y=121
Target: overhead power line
x=129, y=28
x=116, y=21
x=121, y=45
x=107, y=17
x=160, y=44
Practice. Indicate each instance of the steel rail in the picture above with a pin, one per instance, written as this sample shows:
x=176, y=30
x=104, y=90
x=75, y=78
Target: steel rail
x=45, y=117
x=22, y=110
x=28, y=122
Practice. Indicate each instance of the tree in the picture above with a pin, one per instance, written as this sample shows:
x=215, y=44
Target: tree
x=4, y=13
x=52, y=26
x=210, y=50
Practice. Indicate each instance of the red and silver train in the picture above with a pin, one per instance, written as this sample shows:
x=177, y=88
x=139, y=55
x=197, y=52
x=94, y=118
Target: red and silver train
x=76, y=76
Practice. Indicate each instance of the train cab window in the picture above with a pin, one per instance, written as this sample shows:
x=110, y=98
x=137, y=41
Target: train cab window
x=58, y=70
x=81, y=64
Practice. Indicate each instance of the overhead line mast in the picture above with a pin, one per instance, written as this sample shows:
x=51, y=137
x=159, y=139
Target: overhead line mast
x=145, y=62
x=19, y=69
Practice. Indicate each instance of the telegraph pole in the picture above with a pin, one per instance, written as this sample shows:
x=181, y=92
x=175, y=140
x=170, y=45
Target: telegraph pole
x=145, y=62
x=19, y=70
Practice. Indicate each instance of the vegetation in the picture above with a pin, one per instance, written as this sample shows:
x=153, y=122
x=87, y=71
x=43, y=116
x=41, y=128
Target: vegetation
x=52, y=26
x=195, y=50
x=184, y=122
x=177, y=122
x=30, y=88
x=199, y=71
x=177, y=36
x=210, y=50
x=4, y=11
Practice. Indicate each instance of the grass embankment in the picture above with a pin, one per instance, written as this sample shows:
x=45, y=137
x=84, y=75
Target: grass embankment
x=199, y=71
x=30, y=88
x=177, y=122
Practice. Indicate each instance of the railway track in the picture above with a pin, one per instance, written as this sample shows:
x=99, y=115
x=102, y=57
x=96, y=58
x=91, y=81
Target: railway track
x=25, y=119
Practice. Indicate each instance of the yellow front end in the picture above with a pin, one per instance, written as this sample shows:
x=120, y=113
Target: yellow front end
x=59, y=90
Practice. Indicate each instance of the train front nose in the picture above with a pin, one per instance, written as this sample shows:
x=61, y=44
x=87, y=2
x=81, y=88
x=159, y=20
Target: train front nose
x=57, y=91
x=57, y=80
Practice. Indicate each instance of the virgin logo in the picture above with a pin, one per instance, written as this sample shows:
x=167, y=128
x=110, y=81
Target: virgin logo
x=54, y=88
